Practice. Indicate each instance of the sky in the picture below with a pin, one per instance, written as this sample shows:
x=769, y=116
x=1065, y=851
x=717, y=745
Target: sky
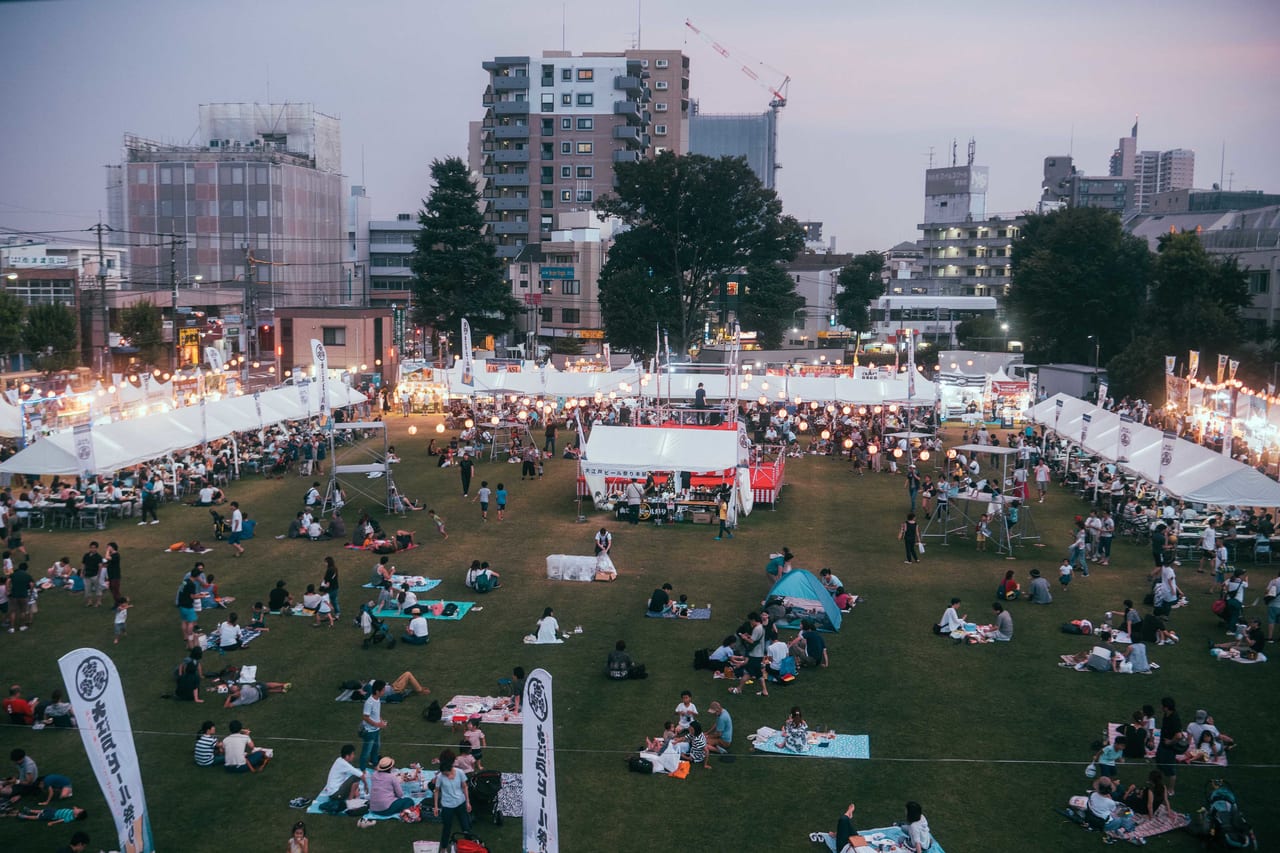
x=873, y=89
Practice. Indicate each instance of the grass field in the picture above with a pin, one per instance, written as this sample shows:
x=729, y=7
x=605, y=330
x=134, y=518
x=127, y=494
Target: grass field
x=989, y=738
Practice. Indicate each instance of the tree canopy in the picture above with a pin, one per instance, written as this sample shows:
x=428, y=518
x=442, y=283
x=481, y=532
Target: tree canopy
x=12, y=313
x=141, y=323
x=860, y=282
x=1075, y=273
x=50, y=335
x=767, y=303
x=691, y=219
x=456, y=272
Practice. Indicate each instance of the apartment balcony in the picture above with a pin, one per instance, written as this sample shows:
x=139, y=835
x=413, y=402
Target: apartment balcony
x=510, y=203
x=511, y=131
x=629, y=133
x=630, y=109
x=507, y=251
x=511, y=108
x=511, y=180
x=510, y=83
x=509, y=227
x=501, y=63
x=626, y=156
x=628, y=83
x=511, y=155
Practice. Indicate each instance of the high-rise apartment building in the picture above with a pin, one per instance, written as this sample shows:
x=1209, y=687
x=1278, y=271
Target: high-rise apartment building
x=261, y=185
x=1065, y=185
x=752, y=135
x=555, y=125
x=1152, y=171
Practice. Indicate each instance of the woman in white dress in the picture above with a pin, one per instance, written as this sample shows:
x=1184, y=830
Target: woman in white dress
x=548, y=628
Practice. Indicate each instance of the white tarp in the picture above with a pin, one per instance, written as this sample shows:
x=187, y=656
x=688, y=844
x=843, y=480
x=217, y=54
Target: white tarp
x=10, y=419
x=1196, y=474
x=616, y=451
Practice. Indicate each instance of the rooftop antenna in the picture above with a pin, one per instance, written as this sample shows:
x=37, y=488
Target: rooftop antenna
x=563, y=15
x=953, y=151
x=1222, y=166
x=1071, y=144
x=362, y=183
x=973, y=150
x=930, y=156
x=639, y=7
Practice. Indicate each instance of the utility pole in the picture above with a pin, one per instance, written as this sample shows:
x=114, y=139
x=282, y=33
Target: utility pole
x=173, y=283
x=251, y=305
x=104, y=365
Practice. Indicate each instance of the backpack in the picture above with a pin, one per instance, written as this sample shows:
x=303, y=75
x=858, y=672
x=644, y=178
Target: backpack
x=702, y=659
x=432, y=713
x=638, y=764
x=1226, y=822
x=450, y=609
x=484, y=582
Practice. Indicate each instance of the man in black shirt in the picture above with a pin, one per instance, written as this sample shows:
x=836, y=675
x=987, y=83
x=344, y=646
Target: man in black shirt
x=845, y=834
x=90, y=568
x=20, y=584
x=660, y=601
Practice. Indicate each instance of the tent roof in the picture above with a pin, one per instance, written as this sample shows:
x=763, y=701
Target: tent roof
x=800, y=584
x=619, y=450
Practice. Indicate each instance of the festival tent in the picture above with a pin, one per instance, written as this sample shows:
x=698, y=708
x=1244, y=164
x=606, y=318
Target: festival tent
x=10, y=419
x=634, y=452
x=804, y=596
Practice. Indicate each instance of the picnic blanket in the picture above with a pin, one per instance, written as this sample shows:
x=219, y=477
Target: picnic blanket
x=1113, y=730
x=692, y=613
x=891, y=839
x=1163, y=821
x=417, y=583
x=821, y=745
x=1224, y=655
x=491, y=710
x=188, y=551
x=463, y=608
x=1069, y=662
x=247, y=635
x=416, y=791
x=351, y=547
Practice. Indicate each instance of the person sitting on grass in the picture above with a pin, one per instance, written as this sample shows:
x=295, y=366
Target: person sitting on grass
x=396, y=691
x=1009, y=590
x=242, y=756
x=55, y=816
x=808, y=647
x=343, y=782
x=660, y=600
x=1148, y=799
x=1040, y=593
x=230, y=634
x=386, y=797
x=208, y=749
x=952, y=620
x=1247, y=645
x=658, y=745
x=416, y=634
x=318, y=604
x=843, y=600
x=620, y=666
x=55, y=787
x=845, y=836
x=795, y=732
x=1001, y=631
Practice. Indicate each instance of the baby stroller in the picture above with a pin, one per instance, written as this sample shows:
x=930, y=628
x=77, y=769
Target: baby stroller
x=1220, y=820
x=375, y=630
x=221, y=527
x=485, y=785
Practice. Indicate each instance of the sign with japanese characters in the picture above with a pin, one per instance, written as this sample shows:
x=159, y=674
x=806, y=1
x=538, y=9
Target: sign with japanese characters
x=541, y=824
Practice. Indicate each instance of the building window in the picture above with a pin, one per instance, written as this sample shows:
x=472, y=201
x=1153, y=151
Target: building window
x=566, y=147
x=548, y=151
x=548, y=174
x=566, y=195
x=661, y=63
x=548, y=200
x=334, y=336
x=586, y=99
x=566, y=171
x=586, y=124
x=659, y=130
x=548, y=315
x=566, y=100
x=570, y=315
x=548, y=102
x=584, y=147
x=547, y=222
x=660, y=107
x=585, y=195
x=1259, y=281
x=548, y=127
x=166, y=176
x=644, y=63
x=586, y=74
x=571, y=288
x=661, y=85
x=566, y=74
x=586, y=172
x=566, y=124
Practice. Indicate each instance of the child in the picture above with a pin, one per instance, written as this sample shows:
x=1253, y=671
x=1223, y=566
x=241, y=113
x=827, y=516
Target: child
x=61, y=569
x=475, y=737
x=1065, y=572
x=466, y=762
x=439, y=523
x=983, y=532
x=686, y=711
x=1108, y=757
x=658, y=745
x=501, y=497
x=258, y=621
x=122, y=616
x=1220, y=558
x=298, y=841
x=55, y=816
x=483, y=497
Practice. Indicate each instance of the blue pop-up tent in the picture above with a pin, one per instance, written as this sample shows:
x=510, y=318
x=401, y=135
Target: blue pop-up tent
x=804, y=596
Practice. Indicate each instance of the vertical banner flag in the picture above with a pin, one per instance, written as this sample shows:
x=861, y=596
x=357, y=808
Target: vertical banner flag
x=204, y=422
x=1057, y=413
x=911, y=363
x=1232, y=366
x=468, y=364
x=320, y=359
x=304, y=396
x=607, y=355
x=83, y=434
x=1222, y=367
x=1126, y=437
x=97, y=700
x=1167, y=445
x=1193, y=363
x=214, y=358
x=1085, y=420
x=1170, y=362
x=1102, y=394
x=541, y=826
x=257, y=407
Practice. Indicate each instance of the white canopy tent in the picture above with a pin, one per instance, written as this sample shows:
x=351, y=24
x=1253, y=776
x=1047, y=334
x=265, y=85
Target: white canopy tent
x=10, y=419
x=1195, y=473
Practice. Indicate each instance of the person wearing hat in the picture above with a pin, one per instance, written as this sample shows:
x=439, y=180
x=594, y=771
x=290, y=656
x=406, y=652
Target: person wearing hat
x=416, y=633
x=386, y=797
x=1039, y=591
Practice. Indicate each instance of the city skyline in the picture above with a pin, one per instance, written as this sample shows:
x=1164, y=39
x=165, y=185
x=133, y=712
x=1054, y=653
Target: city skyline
x=871, y=91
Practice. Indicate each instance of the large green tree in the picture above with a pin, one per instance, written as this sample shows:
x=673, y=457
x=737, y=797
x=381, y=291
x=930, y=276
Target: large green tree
x=860, y=282
x=633, y=305
x=1077, y=273
x=1196, y=297
x=456, y=272
x=142, y=324
x=50, y=335
x=12, y=312
x=767, y=303
x=691, y=220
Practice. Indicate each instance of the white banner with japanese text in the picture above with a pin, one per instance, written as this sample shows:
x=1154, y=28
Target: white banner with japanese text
x=541, y=824
x=321, y=360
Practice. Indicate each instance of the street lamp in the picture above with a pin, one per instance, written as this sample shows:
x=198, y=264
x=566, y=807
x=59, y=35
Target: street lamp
x=1097, y=349
x=1004, y=327
x=177, y=341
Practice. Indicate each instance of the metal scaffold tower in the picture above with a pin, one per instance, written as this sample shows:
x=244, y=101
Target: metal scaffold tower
x=365, y=455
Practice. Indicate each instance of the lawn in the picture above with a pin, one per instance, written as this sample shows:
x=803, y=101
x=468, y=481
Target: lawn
x=989, y=739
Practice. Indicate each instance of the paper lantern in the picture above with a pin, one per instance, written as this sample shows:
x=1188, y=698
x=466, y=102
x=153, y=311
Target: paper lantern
x=826, y=433
x=924, y=456
x=439, y=427
x=872, y=449
x=848, y=443
x=413, y=430
x=468, y=423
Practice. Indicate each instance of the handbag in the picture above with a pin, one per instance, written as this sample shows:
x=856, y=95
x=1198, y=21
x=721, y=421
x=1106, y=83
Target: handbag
x=1091, y=771
x=920, y=547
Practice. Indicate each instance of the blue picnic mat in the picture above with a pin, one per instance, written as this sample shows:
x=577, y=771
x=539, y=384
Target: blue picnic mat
x=844, y=746
x=428, y=775
x=431, y=583
x=694, y=613
x=463, y=607
x=895, y=834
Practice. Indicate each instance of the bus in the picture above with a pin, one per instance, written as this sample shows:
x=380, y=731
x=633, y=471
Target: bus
x=933, y=317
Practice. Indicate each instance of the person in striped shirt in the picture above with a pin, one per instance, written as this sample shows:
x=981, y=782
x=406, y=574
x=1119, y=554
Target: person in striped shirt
x=208, y=751
x=696, y=742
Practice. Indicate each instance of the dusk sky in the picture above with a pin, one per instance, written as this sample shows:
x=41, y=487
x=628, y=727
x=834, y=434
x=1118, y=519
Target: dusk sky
x=872, y=88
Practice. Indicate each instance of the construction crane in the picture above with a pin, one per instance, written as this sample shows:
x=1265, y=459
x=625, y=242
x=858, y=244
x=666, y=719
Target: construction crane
x=778, y=92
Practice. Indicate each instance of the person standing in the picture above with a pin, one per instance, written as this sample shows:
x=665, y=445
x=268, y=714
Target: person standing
x=371, y=725
x=113, y=573
x=549, y=445
x=500, y=495
x=909, y=533
x=1042, y=478
x=21, y=587
x=237, y=528
x=700, y=403
x=913, y=485
x=330, y=584
x=150, y=501
x=634, y=494
x=722, y=510
x=452, y=798
x=483, y=496
x=90, y=571
x=465, y=468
